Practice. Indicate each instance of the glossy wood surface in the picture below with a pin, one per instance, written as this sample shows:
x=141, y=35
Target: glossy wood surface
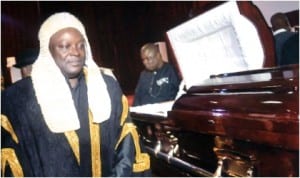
x=201, y=149
x=270, y=107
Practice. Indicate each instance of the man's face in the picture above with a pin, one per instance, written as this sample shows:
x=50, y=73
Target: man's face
x=67, y=47
x=151, y=60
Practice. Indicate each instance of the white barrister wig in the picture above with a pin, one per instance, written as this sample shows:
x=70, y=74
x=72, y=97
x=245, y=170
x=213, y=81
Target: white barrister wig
x=52, y=91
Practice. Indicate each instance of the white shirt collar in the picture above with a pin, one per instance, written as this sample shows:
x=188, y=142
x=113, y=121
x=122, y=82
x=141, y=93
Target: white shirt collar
x=279, y=31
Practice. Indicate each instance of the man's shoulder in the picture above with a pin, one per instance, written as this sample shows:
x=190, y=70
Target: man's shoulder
x=20, y=85
x=169, y=67
x=107, y=72
x=284, y=34
x=108, y=75
x=109, y=79
x=18, y=90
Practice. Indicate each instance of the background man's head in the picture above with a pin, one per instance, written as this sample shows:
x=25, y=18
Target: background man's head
x=280, y=20
x=151, y=57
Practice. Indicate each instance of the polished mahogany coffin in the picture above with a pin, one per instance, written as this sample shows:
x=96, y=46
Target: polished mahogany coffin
x=239, y=123
x=233, y=129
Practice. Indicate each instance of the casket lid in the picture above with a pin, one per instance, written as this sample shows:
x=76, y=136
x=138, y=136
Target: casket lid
x=218, y=41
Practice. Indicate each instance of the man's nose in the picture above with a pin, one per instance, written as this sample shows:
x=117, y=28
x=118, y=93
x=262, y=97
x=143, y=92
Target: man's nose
x=74, y=50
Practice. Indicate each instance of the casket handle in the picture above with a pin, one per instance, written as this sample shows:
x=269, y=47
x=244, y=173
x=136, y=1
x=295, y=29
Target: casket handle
x=218, y=171
x=172, y=151
x=157, y=147
x=225, y=154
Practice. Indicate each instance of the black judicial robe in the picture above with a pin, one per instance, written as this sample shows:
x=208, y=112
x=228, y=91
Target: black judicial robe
x=29, y=148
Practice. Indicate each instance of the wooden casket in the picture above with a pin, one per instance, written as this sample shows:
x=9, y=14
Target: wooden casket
x=236, y=116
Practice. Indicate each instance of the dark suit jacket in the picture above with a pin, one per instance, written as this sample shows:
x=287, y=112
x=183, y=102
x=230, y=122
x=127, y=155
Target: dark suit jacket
x=280, y=39
x=290, y=51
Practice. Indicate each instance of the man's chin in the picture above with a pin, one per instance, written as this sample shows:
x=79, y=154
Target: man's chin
x=150, y=70
x=73, y=75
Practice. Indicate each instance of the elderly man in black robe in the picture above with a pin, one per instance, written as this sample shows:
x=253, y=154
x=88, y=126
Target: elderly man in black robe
x=69, y=118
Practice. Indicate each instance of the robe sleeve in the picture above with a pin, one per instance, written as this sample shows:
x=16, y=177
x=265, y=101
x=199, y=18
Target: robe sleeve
x=128, y=160
x=129, y=151
x=10, y=164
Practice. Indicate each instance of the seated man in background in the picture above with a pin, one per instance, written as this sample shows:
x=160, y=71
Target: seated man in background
x=159, y=81
x=282, y=32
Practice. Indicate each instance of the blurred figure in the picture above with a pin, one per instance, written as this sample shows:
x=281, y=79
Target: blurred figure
x=24, y=61
x=282, y=32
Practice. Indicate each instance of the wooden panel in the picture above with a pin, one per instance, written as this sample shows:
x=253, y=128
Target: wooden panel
x=265, y=33
x=200, y=146
x=277, y=133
